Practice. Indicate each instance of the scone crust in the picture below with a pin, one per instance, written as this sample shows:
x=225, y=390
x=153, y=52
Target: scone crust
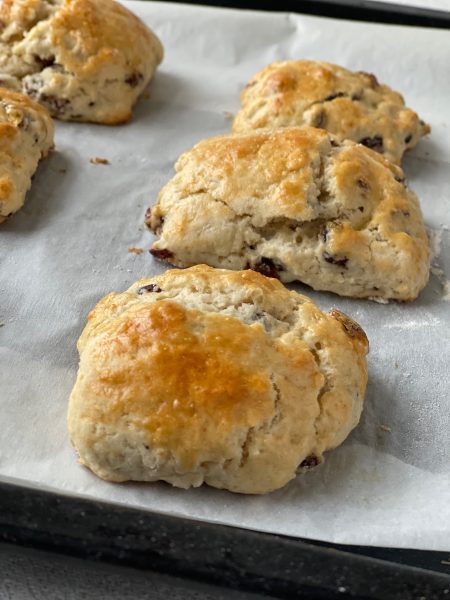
x=85, y=60
x=26, y=136
x=222, y=377
x=295, y=204
x=350, y=105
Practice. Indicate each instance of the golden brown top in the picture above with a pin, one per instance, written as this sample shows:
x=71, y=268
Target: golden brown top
x=277, y=170
x=12, y=105
x=189, y=373
x=101, y=31
x=26, y=135
x=195, y=357
x=21, y=15
x=16, y=113
x=84, y=34
x=296, y=202
x=351, y=105
x=298, y=173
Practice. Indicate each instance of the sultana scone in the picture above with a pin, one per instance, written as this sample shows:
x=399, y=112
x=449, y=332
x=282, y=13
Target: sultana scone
x=84, y=60
x=26, y=136
x=295, y=204
x=213, y=376
x=351, y=105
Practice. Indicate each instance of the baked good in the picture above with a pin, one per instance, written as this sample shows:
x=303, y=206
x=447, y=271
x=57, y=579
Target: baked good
x=295, y=204
x=26, y=136
x=215, y=376
x=351, y=105
x=84, y=60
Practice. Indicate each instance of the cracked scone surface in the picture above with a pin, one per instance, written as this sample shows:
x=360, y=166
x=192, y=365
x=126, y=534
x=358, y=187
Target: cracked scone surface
x=26, y=136
x=84, y=60
x=351, y=105
x=212, y=376
x=295, y=204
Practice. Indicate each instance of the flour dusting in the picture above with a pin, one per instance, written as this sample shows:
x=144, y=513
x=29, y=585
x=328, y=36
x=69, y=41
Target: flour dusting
x=446, y=291
x=435, y=237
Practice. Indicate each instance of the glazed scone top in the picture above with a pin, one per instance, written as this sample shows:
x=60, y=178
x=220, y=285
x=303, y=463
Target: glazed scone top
x=337, y=216
x=216, y=376
x=298, y=173
x=26, y=136
x=351, y=105
x=55, y=47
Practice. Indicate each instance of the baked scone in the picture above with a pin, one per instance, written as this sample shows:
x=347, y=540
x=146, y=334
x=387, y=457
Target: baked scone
x=84, y=60
x=295, y=204
x=26, y=136
x=351, y=105
x=213, y=376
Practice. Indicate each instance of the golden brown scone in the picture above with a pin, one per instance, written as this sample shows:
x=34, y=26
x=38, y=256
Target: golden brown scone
x=295, y=204
x=84, y=60
x=26, y=136
x=351, y=105
x=214, y=376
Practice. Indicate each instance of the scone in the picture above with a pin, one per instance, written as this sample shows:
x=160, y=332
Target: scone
x=350, y=105
x=213, y=376
x=295, y=204
x=84, y=60
x=26, y=136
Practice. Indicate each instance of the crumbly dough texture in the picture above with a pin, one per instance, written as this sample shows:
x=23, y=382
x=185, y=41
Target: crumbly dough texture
x=295, y=204
x=26, y=136
x=84, y=60
x=350, y=105
x=213, y=376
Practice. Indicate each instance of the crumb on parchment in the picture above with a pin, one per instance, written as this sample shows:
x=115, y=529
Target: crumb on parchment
x=378, y=299
x=97, y=160
x=134, y=250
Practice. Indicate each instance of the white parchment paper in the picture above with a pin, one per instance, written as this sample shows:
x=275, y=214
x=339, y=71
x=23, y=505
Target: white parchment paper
x=388, y=484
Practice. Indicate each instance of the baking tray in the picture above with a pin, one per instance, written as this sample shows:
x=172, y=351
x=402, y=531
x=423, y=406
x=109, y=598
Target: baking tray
x=264, y=564
x=357, y=10
x=227, y=557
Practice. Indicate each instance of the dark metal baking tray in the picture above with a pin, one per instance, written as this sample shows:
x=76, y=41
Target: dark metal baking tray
x=356, y=10
x=226, y=557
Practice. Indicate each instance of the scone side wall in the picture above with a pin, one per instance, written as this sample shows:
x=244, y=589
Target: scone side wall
x=213, y=376
x=295, y=204
x=351, y=105
x=26, y=132
x=84, y=60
